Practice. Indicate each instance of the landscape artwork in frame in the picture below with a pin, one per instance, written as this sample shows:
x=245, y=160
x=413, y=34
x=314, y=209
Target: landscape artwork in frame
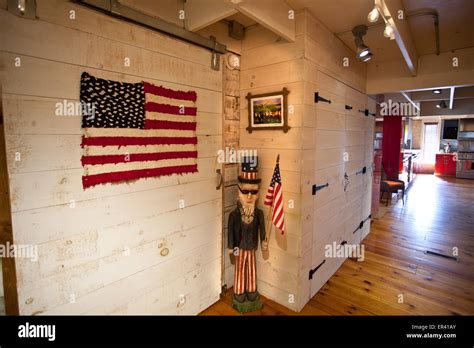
x=268, y=111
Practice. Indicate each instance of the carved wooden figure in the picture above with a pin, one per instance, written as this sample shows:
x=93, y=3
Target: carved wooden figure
x=246, y=229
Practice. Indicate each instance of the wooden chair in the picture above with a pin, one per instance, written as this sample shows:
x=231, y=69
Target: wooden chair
x=391, y=186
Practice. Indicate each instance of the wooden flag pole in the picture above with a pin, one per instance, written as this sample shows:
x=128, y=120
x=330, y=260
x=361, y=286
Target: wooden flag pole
x=267, y=233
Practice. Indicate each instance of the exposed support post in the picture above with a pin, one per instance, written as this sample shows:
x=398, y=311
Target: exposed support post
x=403, y=37
x=451, y=98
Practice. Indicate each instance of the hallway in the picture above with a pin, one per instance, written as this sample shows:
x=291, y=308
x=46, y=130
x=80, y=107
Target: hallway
x=397, y=276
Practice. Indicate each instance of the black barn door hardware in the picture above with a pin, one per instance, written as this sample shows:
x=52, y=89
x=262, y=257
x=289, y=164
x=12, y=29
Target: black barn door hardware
x=348, y=107
x=346, y=181
x=429, y=252
x=362, y=171
x=117, y=9
x=311, y=271
x=320, y=187
x=362, y=223
x=366, y=112
x=318, y=98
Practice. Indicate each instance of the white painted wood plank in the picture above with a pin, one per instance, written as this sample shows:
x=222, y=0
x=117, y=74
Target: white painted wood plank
x=58, y=222
x=170, y=231
x=26, y=38
x=94, y=22
x=53, y=297
x=62, y=81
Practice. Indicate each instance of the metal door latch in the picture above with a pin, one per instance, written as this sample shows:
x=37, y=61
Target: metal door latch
x=317, y=188
x=312, y=271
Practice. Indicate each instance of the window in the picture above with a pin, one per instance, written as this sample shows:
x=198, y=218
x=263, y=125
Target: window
x=450, y=129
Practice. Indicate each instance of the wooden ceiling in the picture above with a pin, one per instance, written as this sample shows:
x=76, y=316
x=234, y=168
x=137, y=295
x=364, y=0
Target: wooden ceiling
x=455, y=24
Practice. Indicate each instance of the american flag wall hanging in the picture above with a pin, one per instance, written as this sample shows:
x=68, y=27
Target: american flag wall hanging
x=136, y=130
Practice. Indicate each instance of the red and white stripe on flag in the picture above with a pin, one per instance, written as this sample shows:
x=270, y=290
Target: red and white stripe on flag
x=274, y=198
x=278, y=214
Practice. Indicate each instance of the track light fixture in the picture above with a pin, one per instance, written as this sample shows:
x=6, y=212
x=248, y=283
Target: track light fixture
x=389, y=32
x=374, y=15
x=363, y=52
x=442, y=105
x=22, y=8
x=436, y=91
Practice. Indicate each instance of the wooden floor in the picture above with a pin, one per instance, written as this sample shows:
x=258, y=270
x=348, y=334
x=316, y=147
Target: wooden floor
x=438, y=215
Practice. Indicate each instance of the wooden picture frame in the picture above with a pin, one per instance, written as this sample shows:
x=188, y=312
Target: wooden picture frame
x=268, y=111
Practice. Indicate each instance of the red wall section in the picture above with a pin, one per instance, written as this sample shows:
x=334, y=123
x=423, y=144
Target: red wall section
x=392, y=135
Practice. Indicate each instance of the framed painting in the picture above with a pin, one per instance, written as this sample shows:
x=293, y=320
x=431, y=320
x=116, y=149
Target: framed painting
x=268, y=111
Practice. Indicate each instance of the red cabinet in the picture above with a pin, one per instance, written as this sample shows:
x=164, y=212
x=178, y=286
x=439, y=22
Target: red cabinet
x=445, y=164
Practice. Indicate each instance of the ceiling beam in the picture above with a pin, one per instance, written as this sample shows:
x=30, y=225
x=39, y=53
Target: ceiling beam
x=451, y=98
x=428, y=95
x=202, y=13
x=463, y=107
x=407, y=97
x=272, y=14
x=433, y=72
x=401, y=28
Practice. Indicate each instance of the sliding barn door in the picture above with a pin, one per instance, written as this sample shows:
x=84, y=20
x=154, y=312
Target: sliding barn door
x=149, y=246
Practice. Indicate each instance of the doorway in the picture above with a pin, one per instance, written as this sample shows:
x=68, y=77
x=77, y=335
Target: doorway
x=430, y=147
x=430, y=142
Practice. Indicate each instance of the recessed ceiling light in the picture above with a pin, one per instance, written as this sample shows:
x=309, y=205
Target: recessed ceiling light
x=437, y=91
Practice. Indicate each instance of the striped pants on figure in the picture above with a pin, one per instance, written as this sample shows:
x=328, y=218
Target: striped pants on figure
x=245, y=277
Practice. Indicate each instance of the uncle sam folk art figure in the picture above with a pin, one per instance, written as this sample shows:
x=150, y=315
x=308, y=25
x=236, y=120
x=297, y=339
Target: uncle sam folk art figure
x=246, y=228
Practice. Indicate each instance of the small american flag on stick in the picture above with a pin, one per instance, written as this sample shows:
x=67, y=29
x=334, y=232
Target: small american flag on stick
x=136, y=130
x=274, y=199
